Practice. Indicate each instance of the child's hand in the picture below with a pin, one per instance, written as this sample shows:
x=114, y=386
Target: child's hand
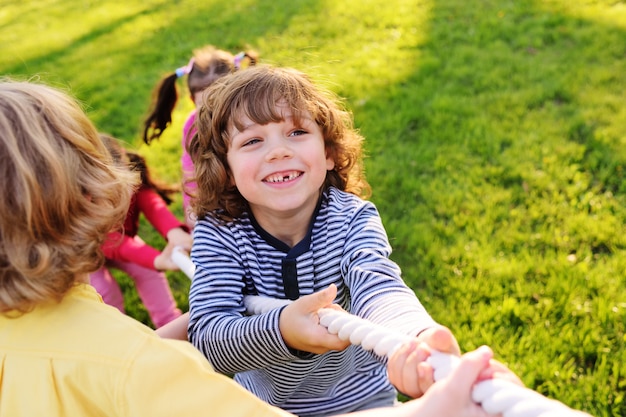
x=501, y=371
x=163, y=261
x=452, y=395
x=300, y=328
x=407, y=368
x=178, y=237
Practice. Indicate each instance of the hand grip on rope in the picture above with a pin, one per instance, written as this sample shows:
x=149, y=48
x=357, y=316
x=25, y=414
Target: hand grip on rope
x=182, y=260
x=494, y=395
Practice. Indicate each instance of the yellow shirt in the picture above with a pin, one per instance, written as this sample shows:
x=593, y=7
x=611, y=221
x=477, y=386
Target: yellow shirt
x=84, y=358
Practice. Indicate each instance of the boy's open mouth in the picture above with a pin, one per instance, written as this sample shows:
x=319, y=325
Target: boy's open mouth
x=282, y=176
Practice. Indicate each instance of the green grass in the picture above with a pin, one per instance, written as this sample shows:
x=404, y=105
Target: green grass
x=495, y=142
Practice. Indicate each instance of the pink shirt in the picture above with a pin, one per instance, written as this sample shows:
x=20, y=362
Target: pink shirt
x=123, y=246
x=185, y=160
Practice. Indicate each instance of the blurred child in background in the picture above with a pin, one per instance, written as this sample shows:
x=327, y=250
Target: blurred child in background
x=206, y=65
x=125, y=250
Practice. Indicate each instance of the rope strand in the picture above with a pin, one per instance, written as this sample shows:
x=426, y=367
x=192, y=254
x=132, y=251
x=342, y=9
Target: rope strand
x=495, y=396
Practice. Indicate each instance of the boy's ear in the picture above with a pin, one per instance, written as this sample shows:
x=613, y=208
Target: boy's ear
x=330, y=162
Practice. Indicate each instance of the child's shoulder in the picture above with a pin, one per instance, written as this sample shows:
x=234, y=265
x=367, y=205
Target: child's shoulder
x=343, y=197
x=216, y=223
x=346, y=202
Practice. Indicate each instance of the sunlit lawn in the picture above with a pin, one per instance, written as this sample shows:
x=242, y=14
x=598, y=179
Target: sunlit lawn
x=495, y=141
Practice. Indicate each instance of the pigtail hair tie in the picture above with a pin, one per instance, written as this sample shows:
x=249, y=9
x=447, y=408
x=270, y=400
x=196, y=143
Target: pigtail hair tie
x=185, y=70
x=237, y=60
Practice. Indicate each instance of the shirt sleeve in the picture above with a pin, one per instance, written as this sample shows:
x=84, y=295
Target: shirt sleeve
x=377, y=291
x=171, y=378
x=121, y=247
x=233, y=342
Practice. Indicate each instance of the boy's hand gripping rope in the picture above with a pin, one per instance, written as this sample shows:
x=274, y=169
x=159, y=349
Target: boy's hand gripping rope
x=494, y=395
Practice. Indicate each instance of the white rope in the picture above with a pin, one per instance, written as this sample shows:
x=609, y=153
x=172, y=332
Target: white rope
x=494, y=395
x=182, y=260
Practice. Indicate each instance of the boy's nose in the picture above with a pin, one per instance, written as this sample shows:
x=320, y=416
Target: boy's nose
x=279, y=149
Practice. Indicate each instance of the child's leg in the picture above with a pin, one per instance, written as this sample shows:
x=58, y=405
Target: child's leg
x=108, y=288
x=382, y=399
x=154, y=291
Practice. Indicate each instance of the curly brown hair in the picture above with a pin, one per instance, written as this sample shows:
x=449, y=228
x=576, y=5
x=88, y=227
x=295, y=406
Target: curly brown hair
x=254, y=94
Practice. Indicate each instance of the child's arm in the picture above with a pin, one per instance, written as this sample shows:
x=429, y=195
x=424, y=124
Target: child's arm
x=175, y=329
x=159, y=215
x=119, y=246
x=379, y=294
x=377, y=291
x=133, y=249
x=163, y=220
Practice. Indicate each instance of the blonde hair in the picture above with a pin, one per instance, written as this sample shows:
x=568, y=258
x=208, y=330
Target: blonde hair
x=255, y=93
x=62, y=194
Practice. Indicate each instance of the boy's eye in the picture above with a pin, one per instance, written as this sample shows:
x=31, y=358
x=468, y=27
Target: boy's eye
x=251, y=142
x=298, y=132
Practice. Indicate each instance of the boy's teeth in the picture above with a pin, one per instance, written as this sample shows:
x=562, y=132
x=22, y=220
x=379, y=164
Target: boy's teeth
x=282, y=178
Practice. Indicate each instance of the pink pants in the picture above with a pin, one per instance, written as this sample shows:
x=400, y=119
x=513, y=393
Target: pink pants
x=152, y=287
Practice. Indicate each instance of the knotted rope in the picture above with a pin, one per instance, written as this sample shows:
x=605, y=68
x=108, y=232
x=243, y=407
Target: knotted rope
x=494, y=395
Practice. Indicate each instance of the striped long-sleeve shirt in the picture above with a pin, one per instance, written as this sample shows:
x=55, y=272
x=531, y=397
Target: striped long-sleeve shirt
x=346, y=245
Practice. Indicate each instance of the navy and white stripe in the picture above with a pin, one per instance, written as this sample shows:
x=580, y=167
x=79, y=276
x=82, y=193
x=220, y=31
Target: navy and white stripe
x=348, y=247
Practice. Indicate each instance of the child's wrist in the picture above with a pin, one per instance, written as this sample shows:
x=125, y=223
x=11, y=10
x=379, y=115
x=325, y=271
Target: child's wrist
x=174, y=231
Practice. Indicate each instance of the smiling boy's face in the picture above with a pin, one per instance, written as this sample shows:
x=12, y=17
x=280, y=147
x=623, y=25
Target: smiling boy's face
x=279, y=167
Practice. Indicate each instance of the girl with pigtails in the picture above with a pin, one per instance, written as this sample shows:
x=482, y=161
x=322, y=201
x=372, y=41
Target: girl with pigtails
x=207, y=65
